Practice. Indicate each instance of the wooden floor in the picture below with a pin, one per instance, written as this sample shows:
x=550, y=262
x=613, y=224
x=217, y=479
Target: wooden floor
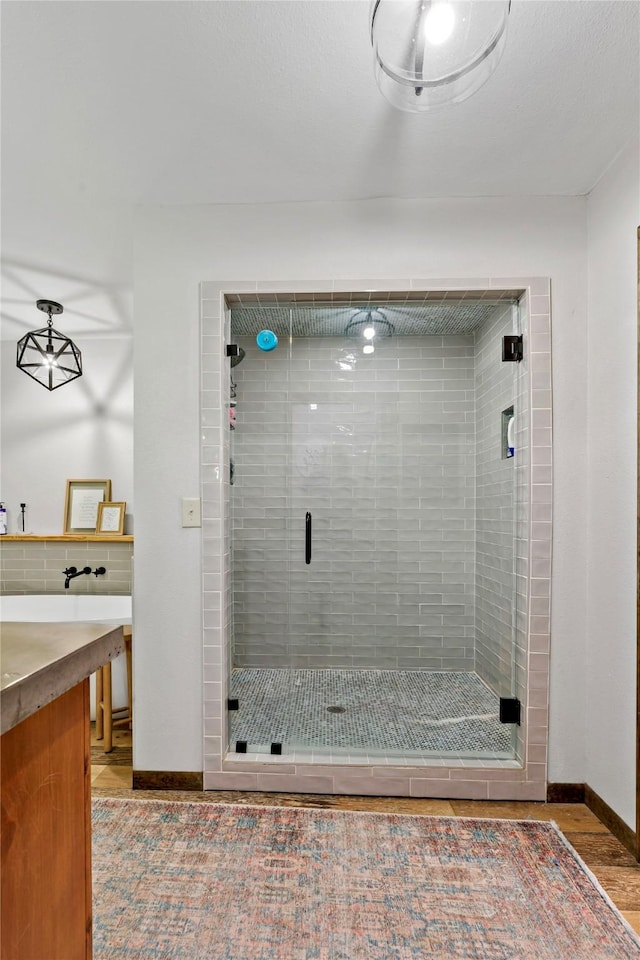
x=614, y=867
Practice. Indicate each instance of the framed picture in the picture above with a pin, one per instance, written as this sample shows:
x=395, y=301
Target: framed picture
x=110, y=521
x=81, y=504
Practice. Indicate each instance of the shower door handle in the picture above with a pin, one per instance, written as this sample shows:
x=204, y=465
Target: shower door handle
x=307, y=538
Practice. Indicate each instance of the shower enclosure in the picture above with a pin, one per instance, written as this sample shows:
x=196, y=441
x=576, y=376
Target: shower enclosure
x=374, y=511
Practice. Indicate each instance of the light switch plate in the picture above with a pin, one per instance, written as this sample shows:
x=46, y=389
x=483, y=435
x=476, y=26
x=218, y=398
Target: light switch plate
x=191, y=512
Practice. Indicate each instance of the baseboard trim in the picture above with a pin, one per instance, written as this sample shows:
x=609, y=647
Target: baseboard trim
x=167, y=780
x=583, y=793
x=565, y=792
x=611, y=820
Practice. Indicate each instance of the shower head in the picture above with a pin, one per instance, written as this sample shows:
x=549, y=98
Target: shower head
x=239, y=357
x=369, y=323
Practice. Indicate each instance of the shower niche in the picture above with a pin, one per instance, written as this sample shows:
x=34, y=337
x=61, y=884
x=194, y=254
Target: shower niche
x=377, y=556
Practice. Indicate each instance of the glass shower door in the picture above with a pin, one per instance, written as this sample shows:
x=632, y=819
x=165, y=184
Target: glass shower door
x=500, y=508
x=355, y=425
x=375, y=511
x=260, y=533
x=403, y=611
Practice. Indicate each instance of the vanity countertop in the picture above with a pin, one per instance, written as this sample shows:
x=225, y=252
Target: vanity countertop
x=41, y=661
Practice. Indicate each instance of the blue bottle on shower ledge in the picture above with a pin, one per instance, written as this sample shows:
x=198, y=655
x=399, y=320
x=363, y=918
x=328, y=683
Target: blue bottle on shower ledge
x=3, y=519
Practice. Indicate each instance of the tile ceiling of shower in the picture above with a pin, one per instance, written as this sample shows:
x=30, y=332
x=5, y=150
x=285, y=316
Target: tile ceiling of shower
x=318, y=319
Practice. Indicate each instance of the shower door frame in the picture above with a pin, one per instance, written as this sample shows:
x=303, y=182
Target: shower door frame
x=480, y=778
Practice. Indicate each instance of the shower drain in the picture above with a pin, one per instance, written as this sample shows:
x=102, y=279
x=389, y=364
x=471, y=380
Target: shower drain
x=336, y=709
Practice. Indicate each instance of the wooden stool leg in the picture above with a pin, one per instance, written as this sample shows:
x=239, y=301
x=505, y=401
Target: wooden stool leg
x=107, y=708
x=99, y=705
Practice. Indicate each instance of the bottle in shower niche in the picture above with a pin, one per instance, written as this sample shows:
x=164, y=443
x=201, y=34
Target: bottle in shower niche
x=3, y=519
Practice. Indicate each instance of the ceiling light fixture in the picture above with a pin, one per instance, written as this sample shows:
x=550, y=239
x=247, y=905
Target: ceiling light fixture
x=429, y=53
x=47, y=355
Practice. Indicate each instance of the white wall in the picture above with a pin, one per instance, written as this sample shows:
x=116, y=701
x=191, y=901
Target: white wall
x=613, y=219
x=83, y=429
x=176, y=248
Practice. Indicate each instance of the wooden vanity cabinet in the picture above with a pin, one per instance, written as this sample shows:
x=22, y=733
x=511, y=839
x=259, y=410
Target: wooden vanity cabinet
x=46, y=835
x=45, y=786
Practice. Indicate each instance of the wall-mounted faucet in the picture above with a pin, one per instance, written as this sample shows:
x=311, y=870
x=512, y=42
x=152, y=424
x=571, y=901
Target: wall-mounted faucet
x=72, y=572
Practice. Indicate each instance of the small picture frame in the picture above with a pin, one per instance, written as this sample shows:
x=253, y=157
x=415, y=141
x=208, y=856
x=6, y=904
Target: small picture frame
x=81, y=504
x=110, y=522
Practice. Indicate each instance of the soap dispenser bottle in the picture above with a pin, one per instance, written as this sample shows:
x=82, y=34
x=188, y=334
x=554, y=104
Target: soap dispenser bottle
x=3, y=519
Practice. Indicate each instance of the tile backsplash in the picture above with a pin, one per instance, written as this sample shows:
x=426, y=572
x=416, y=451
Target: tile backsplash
x=36, y=566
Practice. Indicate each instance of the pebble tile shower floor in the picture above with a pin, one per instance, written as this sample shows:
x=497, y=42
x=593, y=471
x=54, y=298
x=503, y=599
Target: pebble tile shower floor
x=380, y=711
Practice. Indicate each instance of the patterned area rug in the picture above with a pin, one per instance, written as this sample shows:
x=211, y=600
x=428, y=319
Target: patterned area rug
x=224, y=882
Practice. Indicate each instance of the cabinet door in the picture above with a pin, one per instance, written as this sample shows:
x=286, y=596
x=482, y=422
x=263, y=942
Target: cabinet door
x=46, y=836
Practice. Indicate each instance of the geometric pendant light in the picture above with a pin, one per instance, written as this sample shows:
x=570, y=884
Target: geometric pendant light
x=431, y=53
x=47, y=355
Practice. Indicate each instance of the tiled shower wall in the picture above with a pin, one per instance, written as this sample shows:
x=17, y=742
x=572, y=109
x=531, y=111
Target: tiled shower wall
x=381, y=450
x=36, y=567
x=359, y=774
x=495, y=508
